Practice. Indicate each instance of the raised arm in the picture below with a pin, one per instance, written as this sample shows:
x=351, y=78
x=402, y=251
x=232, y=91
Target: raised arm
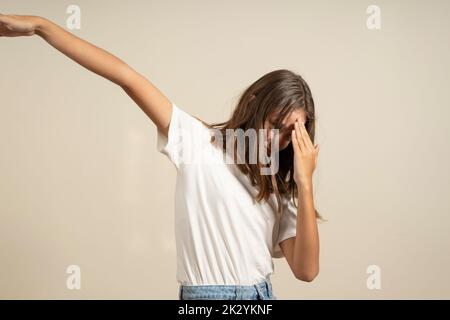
x=152, y=101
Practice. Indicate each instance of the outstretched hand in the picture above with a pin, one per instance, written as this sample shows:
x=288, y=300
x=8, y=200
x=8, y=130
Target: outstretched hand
x=17, y=26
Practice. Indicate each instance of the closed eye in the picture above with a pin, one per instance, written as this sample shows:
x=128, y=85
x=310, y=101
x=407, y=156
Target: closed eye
x=273, y=124
x=288, y=137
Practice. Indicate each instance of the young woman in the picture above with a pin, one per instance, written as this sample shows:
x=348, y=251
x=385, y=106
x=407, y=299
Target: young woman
x=231, y=217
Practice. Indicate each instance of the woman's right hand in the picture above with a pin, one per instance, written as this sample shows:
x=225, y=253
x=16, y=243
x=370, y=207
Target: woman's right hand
x=17, y=26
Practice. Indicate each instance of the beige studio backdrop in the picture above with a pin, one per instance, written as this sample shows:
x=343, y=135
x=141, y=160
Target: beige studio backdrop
x=81, y=181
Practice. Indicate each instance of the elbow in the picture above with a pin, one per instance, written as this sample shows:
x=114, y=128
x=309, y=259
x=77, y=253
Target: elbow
x=307, y=276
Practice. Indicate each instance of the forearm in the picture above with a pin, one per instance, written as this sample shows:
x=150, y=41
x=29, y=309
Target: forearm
x=306, y=249
x=86, y=54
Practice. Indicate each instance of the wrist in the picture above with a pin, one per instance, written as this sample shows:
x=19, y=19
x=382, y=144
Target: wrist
x=305, y=186
x=40, y=25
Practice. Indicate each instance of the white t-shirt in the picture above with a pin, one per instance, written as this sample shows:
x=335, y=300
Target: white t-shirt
x=223, y=236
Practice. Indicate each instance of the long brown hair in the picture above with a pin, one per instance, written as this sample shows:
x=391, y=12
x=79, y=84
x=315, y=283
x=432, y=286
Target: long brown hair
x=280, y=91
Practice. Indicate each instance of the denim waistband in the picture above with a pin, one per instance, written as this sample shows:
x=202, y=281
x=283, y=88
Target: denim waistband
x=259, y=291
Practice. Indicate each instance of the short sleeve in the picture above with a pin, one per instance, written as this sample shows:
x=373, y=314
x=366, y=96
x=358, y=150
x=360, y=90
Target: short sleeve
x=185, y=138
x=287, y=226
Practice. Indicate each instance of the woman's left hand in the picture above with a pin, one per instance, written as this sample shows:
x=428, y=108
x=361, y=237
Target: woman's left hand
x=305, y=155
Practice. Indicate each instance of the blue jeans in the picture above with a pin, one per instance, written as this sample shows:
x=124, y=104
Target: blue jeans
x=259, y=291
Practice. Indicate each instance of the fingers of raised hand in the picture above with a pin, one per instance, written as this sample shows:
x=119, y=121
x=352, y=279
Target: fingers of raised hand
x=295, y=141
x=305, y=135
x=299, y=136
